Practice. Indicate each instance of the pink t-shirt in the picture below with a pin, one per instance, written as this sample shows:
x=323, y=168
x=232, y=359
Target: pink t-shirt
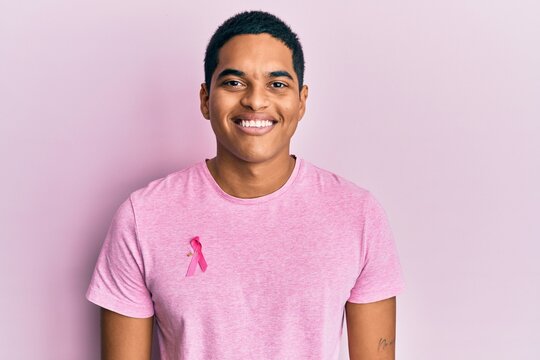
x=279, y=268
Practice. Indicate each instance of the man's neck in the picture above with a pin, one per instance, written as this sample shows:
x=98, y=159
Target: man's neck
x=250, y=180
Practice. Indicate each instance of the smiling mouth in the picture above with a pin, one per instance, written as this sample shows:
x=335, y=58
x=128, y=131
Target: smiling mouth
x=255, y=123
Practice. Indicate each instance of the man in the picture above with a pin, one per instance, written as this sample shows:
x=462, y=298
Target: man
x=255, y=253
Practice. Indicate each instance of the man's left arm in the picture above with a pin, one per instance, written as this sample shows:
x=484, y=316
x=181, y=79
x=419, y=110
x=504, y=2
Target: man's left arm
x=371, y=330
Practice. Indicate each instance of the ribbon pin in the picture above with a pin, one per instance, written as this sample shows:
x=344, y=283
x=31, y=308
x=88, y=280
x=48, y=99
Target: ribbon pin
x=198, y=257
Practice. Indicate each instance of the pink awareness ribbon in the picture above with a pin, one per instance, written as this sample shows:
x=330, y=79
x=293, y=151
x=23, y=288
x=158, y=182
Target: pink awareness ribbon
x=198, y=257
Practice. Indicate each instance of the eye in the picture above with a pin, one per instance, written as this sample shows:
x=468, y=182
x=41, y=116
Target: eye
x=232, y=83
x=279, y=85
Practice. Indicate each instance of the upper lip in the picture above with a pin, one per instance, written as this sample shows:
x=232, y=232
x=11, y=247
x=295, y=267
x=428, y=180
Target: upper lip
x=254, y=116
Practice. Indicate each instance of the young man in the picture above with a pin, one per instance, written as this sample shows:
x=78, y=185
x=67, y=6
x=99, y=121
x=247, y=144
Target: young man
x=255, y=253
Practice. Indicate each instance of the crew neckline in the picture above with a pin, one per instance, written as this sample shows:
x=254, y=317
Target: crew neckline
x=256, y=200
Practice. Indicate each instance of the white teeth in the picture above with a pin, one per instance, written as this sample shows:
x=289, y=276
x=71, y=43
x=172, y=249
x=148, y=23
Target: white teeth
x=256, y=123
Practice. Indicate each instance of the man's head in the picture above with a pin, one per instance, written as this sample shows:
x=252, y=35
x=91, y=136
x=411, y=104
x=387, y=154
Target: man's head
x=253, y=95
x=253, y=22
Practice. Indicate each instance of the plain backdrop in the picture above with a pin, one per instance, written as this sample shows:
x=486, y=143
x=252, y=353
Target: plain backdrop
x=434, y=106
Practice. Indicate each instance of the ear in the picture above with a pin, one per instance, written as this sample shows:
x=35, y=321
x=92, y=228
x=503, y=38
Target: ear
x=204, y=97
x=303, y=99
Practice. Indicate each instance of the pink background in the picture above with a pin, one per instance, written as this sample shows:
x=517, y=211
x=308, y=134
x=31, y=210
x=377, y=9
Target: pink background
x=432, y=105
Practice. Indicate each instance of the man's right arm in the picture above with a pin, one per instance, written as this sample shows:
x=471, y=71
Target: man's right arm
x=125, y=338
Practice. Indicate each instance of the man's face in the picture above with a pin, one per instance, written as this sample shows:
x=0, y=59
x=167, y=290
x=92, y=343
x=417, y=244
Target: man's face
x=254, y=104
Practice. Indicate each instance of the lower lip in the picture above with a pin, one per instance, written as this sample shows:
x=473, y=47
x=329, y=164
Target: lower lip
x=255, y=130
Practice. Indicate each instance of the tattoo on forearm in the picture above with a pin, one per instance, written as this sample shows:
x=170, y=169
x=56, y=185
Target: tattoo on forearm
x=384, y=343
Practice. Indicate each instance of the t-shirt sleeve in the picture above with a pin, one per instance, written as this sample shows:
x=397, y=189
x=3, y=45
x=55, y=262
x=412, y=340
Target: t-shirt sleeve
x=380, y=275
x=118, y=281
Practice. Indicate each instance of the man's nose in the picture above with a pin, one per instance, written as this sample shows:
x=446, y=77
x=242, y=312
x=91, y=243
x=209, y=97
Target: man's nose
x=255, y=98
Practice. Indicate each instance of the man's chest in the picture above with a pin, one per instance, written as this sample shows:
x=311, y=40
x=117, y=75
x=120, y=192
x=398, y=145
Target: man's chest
x=263, y=267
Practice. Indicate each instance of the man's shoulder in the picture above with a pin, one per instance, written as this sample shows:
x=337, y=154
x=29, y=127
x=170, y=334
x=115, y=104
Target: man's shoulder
x=169, y=185
x=328, y=180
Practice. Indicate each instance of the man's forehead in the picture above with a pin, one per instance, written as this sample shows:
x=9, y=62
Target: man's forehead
x=250, y=48
x=255, y=55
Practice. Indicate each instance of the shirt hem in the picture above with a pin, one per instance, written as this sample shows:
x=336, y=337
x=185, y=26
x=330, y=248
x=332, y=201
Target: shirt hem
x=369, y=298
x=117, y=306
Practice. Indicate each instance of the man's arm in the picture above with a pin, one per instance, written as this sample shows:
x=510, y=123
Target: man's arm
x=371, y=329
x=125, y=338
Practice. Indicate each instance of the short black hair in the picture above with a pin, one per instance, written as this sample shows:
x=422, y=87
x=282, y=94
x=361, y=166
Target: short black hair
x=253, y=22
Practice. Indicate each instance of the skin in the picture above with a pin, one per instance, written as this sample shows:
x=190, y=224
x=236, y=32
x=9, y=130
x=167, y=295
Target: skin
x=255, y=76
x=125, y=338
x=248, y=166
x=371, y=329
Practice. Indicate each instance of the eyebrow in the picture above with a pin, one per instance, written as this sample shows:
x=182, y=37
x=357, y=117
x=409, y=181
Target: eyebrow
x=281, y=73
x=239, y=73
x=231, y=72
